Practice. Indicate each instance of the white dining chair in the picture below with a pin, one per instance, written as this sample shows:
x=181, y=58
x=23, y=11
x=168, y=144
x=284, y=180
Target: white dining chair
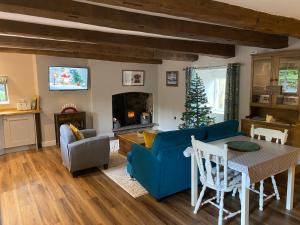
x=269, y=135
x=219, y=178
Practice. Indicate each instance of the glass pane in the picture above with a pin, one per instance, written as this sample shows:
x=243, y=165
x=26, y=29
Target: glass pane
x=261, y=79
x=3, y=94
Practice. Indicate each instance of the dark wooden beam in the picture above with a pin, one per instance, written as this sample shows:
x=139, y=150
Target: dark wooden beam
x=104, y=49
x=113, y=18
x=69, y=34
x=75, y=54
x=217, y=12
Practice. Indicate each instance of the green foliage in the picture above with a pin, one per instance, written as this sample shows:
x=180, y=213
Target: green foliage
x=197, y=112
x=76, y=78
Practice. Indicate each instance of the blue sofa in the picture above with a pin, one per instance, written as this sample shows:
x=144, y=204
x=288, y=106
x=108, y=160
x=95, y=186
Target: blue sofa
x=163, y=170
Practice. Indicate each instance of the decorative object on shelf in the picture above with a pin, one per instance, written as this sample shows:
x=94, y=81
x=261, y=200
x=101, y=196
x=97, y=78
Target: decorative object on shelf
x=172, y=78
x=145, y=118
x=66, y=108
x=243, y=146
x=274, y=90
x=197, y=113
x=269, y=118
x=264, y=99
x=133, y=77
x=116, y=123
x=290, y=100
x=23, y=105
x=35, y=103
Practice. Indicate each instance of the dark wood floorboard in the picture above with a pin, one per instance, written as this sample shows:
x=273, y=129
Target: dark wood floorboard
x=36, y=189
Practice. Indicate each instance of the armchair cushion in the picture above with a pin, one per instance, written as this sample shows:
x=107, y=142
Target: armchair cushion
x=87, y=133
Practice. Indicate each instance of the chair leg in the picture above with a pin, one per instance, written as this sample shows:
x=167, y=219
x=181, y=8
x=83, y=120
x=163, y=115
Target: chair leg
x=275, y=188
x=218, y=196
x=261, y=196
x=199, y=199
x=234, y=192
x=221, y=206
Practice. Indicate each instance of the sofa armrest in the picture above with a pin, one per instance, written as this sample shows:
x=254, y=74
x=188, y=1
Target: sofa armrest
x=146, y=168
x=88, y=133
x=87, y=152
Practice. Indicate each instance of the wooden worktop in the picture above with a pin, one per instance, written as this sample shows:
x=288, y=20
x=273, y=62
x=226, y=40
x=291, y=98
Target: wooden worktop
x=7, y=112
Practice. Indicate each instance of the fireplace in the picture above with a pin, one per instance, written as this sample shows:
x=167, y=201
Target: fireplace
x=132, y=108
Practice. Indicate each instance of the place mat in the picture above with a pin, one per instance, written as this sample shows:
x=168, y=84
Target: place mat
x=243, y=146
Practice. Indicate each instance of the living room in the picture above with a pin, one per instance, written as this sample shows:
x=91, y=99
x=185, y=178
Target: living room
x=42, y=182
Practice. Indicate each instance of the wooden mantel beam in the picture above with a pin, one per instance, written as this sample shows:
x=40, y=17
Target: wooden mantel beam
x=113, y=18
x=23, y=29
x=102, y=49
x=82, y=55
x=216, y=12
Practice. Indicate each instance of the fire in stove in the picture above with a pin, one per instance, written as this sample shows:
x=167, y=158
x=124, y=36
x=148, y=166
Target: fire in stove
x=130, y=114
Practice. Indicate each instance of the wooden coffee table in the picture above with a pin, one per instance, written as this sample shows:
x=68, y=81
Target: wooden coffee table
x=126, y=140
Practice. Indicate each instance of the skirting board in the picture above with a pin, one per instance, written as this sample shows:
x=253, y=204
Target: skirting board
x=48, y=143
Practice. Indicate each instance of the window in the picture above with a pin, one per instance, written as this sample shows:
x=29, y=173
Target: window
x=3, y=90
x=214, y=80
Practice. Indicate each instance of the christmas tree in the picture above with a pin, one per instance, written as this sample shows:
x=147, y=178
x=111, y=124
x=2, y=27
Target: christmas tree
x=197, y=112
x=76, y=77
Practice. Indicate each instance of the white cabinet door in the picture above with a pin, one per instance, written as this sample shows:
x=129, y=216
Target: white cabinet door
x=19, y=130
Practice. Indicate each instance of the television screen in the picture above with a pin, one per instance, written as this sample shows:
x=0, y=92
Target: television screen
x=68, y=78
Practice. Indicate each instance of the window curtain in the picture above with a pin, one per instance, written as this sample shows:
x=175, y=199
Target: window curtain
x=189, y=73
x=3, y=80
x=232, y=91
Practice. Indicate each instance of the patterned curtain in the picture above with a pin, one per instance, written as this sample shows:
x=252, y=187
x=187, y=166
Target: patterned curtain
x=232, y=91
x=3, y=80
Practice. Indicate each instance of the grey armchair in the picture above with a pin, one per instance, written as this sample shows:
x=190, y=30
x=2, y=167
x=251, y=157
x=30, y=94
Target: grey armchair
x=92, y=151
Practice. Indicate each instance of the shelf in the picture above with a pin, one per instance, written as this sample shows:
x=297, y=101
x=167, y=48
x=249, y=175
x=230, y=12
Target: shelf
x=286, y=107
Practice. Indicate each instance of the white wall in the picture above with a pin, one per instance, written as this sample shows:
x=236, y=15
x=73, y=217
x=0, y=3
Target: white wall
x=52, y=101
x=21, y=77
x=171, y=99
x=107, y=81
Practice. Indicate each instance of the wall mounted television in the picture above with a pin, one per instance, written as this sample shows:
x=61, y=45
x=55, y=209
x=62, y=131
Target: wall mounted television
x=68, y=78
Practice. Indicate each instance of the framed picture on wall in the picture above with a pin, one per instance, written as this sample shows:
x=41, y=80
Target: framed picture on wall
x=133, y=77
x=172, y=78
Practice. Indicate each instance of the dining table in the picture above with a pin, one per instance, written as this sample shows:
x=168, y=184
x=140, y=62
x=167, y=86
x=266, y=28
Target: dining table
x=271, y=159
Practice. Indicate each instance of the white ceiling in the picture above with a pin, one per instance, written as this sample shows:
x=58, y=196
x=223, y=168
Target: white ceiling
x=287, y=8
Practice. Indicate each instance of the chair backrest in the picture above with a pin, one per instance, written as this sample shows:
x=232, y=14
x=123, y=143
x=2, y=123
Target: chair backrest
x=66, y=134
x=269, y=134
x=211, y=154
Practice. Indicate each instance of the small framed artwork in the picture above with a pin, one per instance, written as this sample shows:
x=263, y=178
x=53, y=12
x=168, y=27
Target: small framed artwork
x=133, y=77
x=172, y=78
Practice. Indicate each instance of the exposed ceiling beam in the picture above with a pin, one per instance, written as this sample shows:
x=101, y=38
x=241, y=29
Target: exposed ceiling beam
x=216, y=12
x=103, y=49
x=69, y=34
x=113, y=18
x=114, y=58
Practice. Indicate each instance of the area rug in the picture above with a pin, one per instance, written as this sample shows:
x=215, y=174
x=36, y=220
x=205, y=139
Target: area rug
x=117, y=172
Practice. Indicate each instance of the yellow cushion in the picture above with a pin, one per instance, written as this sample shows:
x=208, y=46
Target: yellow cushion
x=78, y=135
x=149, y=138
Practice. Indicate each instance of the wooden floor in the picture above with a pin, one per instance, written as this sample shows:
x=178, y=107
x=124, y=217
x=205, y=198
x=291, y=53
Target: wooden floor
x=36, y=189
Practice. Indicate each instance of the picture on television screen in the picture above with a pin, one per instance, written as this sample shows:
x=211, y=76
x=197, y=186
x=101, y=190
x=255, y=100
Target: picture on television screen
x=68, y=78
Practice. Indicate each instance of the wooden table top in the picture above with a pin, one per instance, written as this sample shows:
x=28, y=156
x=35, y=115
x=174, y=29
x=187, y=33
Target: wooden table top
x=132, y=137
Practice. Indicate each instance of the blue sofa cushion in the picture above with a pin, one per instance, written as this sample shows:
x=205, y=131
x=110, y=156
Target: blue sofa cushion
x=222, y=130
x=175, y=138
